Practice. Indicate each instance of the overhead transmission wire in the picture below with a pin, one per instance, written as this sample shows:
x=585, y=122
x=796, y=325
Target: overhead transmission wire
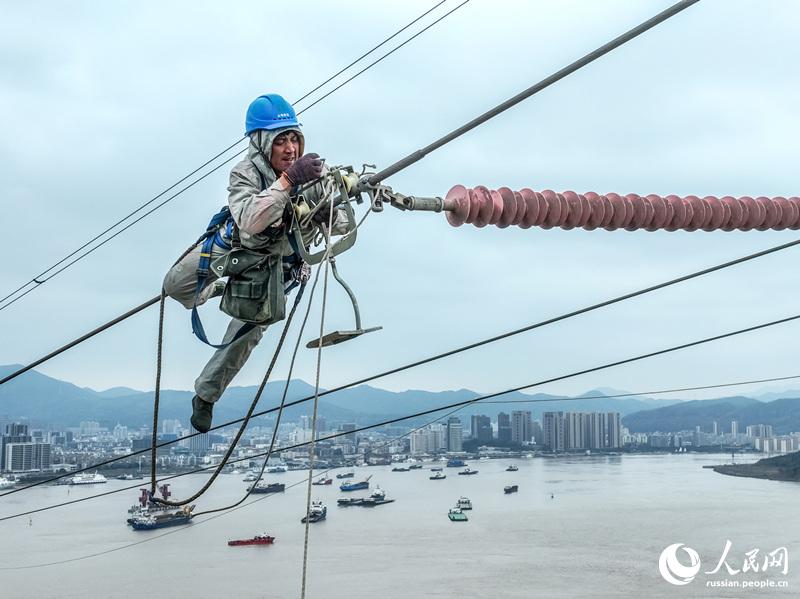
x=36, y=282
x=421, y=362
x=462, y=403
x=419, y=154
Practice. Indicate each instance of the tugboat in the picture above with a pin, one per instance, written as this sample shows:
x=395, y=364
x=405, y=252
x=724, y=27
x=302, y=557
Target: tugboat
x=438, y=476
x=464, y=503
x=262, y=487
x=378, y=497
x=323, y=481
x=512, y=468
x=152, y=521
x=468, y=471
x=264, y=539
x=455, y=463
x=363, y=484
x=316, y=513
x=456, y=515
x=508, y=489
x=346, y=475
x=88, y=479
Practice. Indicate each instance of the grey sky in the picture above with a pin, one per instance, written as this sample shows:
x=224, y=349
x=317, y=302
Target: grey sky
x=104, y=105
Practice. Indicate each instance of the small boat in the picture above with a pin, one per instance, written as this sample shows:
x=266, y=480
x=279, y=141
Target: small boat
x=455, y=463
x=464, y=503
x=510, y=489
x=264, y=539
x=250, y=477
x=436, y=469
x=348, y=501
x=323, y=481
x=438, y=476
x=468, y=471
x=357, y=486
x=346, y=475
x=276, y=469
x=88, y=479
x=415, y=467
x=129, y=477
x=456, y=515
x=400, y=469
x=316, y=512
x=153, y=521
x=512, y=468
x=262, y=487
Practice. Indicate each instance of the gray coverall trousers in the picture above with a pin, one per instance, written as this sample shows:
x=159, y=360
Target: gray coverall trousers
x=180, y=283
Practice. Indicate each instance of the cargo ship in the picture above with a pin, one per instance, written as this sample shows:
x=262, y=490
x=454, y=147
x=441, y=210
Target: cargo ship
x=162, y=520
x=455, y=463
x=262, y=487
x=362, y=484
x=264, y=539
x=316, y=512
x=378, y=497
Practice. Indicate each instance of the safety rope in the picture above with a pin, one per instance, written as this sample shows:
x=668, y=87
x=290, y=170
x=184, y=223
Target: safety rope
x=245, y=421
x=327, y=259
x=280, y=408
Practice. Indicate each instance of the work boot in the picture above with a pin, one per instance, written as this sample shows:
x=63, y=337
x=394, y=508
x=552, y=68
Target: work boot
x=202, y=411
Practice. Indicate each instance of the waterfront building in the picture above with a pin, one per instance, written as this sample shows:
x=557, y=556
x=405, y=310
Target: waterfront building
x=27, y=457
x=783, y=444
x=430, y=439
x=14, y=433
x=481, y=428
x=454, y=434
x=553, y=433
x=759, y=430
x=521, y=427
x=503, y=427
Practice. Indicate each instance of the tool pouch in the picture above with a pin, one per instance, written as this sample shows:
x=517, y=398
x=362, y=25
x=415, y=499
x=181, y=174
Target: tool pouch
x=254, y=292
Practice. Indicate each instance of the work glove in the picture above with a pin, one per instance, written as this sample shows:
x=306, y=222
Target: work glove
x=306, y=168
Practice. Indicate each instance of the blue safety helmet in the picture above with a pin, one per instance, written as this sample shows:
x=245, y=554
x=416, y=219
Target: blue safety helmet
x=269, y=112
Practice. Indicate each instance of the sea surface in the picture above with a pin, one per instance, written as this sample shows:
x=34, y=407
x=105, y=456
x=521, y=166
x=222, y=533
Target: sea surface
x=578, y=527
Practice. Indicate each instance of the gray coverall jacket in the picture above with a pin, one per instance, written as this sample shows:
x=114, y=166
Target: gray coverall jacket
x=257, y=203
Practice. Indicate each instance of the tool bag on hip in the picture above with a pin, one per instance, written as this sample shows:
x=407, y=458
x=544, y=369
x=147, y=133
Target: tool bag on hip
x=255, y=290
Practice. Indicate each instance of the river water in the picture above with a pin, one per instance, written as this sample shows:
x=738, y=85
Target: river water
x=578, y=527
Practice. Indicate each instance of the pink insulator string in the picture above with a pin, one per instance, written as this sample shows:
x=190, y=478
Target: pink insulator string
x=526, y=208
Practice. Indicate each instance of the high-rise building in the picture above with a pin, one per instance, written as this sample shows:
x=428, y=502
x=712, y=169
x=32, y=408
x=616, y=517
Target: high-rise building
x=734, y=428
x=521, y=427
x=553, y=430
x=714, y=428
x=14, y=433
x=536, y=432
x=347, y=427
x=613, y=430
x=759, y=430
x=503, y=427
x=199, y=444
x=454, y=434
x=429, y=439
x=24, y=457
x=481, y=428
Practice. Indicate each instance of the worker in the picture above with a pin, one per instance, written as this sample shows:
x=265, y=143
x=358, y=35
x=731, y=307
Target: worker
x=261, y=198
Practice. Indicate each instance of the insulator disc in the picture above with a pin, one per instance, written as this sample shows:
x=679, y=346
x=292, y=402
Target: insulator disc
x=531, y=207
x=717, y=213
x=481, y=196
x=497, y=207
x=574, y=211
x=509, y=207
x=788, y=213
x=460, y=196
x=553, y=217
x=522, y=207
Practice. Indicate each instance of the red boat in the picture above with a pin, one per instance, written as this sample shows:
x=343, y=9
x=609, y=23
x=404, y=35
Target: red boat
x=264, y=539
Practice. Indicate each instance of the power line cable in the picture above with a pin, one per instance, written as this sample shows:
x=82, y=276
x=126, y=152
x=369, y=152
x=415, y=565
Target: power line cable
x=410, y=365
x=458, y=404
x=37, y=281
x=544, y=83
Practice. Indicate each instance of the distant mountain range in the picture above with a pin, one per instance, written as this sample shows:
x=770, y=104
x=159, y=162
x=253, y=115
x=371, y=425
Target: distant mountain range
x=44, y=400
x=783, y=414
x=47, y=401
